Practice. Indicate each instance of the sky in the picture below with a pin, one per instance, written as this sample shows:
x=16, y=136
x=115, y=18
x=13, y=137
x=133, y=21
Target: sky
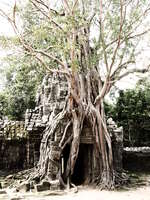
x=6, y=29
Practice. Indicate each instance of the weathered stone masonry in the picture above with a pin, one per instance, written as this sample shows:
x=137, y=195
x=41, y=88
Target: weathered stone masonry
x=13, y=140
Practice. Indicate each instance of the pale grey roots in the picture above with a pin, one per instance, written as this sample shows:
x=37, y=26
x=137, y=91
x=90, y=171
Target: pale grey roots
x=80, y=105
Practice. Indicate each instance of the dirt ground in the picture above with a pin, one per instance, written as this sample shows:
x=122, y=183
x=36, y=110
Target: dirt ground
x=139, y=189
x=142, y=193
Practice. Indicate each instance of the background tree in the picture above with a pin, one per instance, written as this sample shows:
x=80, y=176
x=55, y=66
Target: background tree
x=22, y=74
x=3, y=105
x=132, y=111
x=91, y=64
x=22, y=79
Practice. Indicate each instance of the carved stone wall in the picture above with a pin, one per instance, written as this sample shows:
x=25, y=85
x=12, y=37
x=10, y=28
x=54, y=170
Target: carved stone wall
x=51, y=94
x=12, y=130
x=136, y=159
x=13, y=140
x=13, y=154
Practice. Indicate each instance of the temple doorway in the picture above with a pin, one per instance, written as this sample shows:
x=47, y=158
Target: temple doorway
x=83, y=167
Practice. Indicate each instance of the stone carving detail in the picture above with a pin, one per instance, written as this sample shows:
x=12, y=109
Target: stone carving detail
x=51, y=94
x=12, y=129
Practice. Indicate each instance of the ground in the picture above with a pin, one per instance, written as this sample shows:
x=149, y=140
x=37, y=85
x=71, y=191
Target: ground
x=142, y=193
x=138, y=189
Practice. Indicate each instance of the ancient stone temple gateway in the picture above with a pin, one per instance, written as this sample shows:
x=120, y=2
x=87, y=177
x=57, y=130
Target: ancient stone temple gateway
x=20, y=141
x=20, y=147
x=51, y=94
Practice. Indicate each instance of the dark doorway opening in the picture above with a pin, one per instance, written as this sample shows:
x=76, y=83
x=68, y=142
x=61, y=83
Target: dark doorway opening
x=83, y=167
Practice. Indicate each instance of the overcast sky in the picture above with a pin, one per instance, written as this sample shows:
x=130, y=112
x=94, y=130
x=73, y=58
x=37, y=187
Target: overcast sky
x=5, y=27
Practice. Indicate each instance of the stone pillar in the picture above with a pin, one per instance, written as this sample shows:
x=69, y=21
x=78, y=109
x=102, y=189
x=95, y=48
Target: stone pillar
x=117, y=144
x=54, y=160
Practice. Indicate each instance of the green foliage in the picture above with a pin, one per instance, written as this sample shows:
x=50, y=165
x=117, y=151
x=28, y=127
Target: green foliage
x=3, y=104
x=109, y=109
x=40, y=32
x=22, y=78
x=22, y=72
x=132, y=111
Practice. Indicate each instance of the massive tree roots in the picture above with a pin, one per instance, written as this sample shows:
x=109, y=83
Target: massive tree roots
x=84, y=102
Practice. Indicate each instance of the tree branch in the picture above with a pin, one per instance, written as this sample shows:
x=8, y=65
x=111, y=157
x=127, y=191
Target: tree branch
x=67, y=5
x=40, y=2
x=50, y=69
x=102, y=37
x=120, y=67
x=102, y=92
x=107, y=80
x=119, y=36
x=51, y=57
x=139, y=34
x=134, y=70
x=128, y=35
x=74, y=5
x=31, y=50
x=47, y=16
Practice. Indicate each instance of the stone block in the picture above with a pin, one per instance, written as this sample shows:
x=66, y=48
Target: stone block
x=46, y=184
x=24, y=187
x=55, y=185
x=42, y=187
x=3, y=192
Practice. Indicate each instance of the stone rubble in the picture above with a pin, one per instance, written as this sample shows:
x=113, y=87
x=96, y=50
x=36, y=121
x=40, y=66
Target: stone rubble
x=137, y=149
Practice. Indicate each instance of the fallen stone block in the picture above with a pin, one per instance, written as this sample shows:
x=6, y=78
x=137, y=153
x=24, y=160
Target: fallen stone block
x=3, y=192
x=24, y=187
x=41, y=187
x=55, y=185
x=46, y=183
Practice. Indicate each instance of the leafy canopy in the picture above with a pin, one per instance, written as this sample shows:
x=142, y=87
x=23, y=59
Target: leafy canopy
x=75, y=36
